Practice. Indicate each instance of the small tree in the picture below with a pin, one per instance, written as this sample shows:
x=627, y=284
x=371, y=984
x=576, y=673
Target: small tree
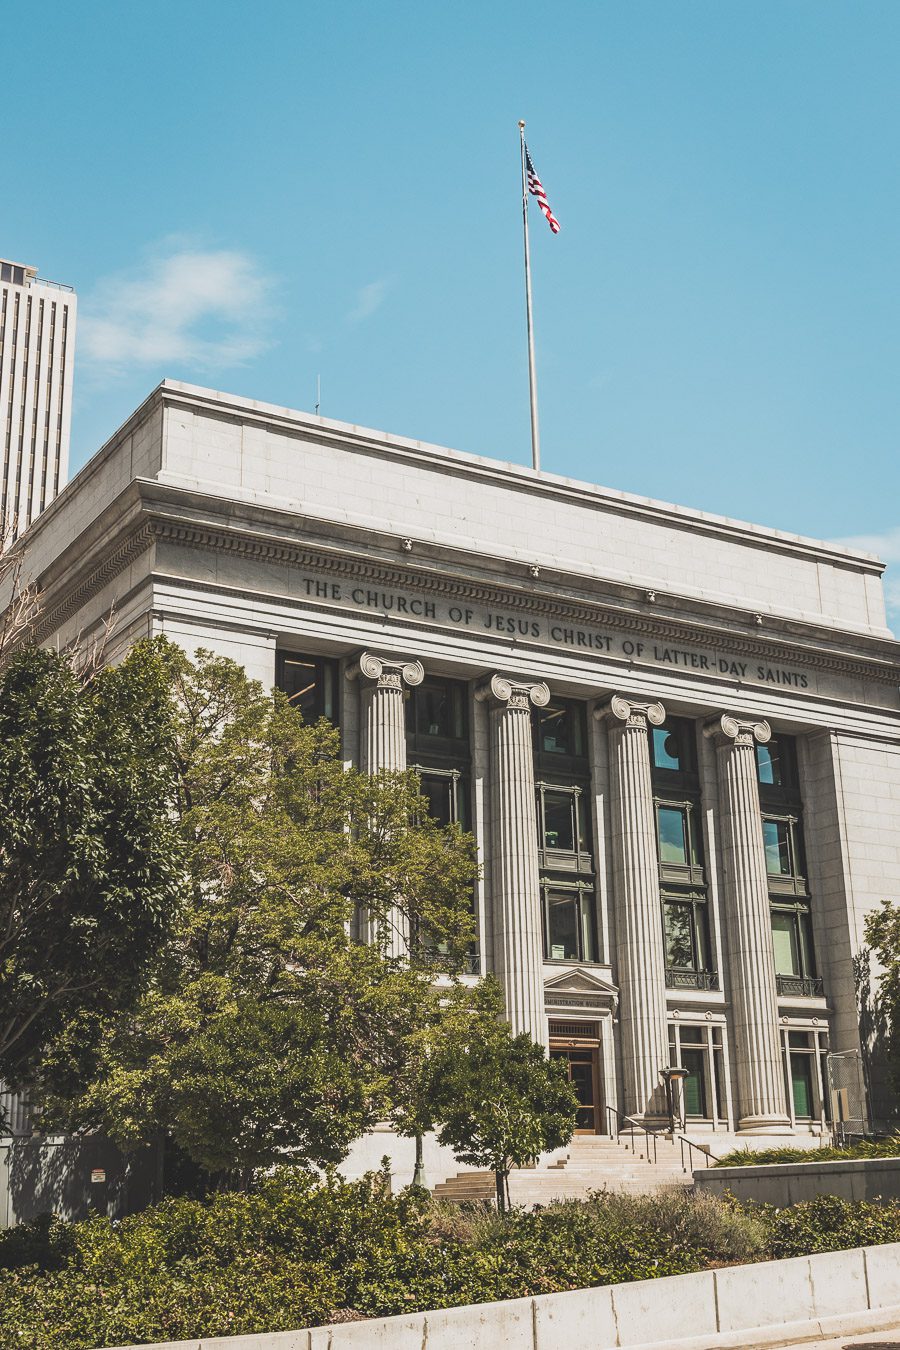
x=451, y=1019
x=502, y=1102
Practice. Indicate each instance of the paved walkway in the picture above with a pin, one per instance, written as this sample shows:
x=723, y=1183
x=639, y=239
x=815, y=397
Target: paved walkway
x=869, y=1340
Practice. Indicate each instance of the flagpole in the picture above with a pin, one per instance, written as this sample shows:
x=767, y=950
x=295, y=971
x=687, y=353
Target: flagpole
x=532, y=377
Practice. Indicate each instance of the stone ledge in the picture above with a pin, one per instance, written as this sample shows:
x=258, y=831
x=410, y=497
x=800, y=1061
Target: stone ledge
x=864, y=1282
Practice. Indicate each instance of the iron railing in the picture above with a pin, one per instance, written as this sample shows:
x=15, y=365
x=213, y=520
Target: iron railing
x=802, y=986
x=691, y=979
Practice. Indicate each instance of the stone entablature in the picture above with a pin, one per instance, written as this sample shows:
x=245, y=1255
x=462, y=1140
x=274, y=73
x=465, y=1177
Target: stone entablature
x=349, y=578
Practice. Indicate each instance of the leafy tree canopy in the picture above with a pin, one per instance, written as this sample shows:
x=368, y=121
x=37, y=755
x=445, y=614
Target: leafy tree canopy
x=269, y=1032
x=90, y=858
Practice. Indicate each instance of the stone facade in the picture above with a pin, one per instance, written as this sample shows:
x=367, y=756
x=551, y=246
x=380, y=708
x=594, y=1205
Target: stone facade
x=413, y=572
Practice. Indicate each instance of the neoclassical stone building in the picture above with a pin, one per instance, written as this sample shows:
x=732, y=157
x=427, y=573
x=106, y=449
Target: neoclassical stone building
x=676, y=736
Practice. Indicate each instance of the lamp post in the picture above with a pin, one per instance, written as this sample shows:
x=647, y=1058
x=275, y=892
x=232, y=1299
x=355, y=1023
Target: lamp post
x=673, y=1076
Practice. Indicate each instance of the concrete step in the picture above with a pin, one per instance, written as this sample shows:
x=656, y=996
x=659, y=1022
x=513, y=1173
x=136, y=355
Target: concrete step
x=589, y=1164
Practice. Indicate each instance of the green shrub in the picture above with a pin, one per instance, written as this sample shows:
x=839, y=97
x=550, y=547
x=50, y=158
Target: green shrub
x=828, y=1224
x=760, y=1157
x=300, y=1248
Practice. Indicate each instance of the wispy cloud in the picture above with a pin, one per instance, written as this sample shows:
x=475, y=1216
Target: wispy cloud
x=885, y=545
x=369, y=299
x=187, y=306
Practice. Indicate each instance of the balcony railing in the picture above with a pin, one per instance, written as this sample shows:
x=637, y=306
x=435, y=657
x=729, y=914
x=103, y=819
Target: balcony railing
x=800, y=986
x=692, y=979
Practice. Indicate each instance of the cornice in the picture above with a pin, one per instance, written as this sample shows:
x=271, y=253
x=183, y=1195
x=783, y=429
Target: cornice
x=364, y=440
x=599, y=615
x=114, y=561
x=158, y=514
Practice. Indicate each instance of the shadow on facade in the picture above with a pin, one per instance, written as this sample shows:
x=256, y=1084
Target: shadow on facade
x=874, y=1036
x=54, y=1176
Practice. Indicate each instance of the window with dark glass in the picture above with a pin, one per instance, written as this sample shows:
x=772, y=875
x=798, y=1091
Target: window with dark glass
x=789, y=898
x=437, y=749
x=563, y=787
x=679, y=840
x=447, y=794
x=569, y=922
x=310, y=683
x=559, y=730
x=437, y=722
x=701, y=1090
x=802, y=1067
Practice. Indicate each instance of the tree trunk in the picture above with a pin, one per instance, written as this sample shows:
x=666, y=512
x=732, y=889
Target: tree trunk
x=500, y=1186
x=419, y=1170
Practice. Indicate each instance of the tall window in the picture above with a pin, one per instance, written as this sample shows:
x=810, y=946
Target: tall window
x=699, y=1050
x=679, y=840
x=563, y=785
x=310, y=683
x=789, y=899
x=437, y=747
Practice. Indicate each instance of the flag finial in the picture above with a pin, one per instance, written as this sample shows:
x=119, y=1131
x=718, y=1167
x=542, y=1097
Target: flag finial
x=521, y=124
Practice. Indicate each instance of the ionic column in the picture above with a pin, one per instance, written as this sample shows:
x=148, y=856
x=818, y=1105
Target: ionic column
x=640, y=952
x=518, y=928
x=383, y=739
x=751, y=962
x=383, y=722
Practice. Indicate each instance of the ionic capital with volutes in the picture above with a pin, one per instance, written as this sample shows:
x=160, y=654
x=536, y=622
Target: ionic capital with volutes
x=512, y=694
x=738, y=730
x=631, y=712
x=385, y=671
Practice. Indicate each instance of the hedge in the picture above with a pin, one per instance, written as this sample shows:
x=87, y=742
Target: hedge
x=300, y=1251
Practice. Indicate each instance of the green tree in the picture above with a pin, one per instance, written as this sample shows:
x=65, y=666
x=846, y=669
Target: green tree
x=451, y=1018
x=501, y=1101
x=269, y=1031
x=89, y=855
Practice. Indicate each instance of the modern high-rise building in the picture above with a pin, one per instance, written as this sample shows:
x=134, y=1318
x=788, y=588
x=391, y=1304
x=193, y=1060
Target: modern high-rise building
x=37, y=350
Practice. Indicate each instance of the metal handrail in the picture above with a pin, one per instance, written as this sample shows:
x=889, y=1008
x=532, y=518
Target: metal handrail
x=683, y=1139
x=635, y=1124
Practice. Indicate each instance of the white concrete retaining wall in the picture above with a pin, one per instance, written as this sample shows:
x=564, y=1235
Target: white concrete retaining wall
x=738, y=1307
x=789, y=1183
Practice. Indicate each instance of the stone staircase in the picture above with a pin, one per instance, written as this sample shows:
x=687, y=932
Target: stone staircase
x=591, y=1163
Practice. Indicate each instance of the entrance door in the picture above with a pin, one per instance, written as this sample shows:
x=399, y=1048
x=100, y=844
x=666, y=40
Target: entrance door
x=582, y=1068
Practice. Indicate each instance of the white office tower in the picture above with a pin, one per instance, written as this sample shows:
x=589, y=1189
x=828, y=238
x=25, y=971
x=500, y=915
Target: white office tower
x=37, y=349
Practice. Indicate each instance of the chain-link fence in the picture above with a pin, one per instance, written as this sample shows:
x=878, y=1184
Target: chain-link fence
x=848, y=1096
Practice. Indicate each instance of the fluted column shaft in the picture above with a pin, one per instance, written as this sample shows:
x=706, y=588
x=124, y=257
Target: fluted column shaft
x=383, y=739
x=515, y=884
x=640, y=950
x=754, y=996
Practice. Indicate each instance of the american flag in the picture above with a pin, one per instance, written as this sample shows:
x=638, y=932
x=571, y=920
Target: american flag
x=535, y=187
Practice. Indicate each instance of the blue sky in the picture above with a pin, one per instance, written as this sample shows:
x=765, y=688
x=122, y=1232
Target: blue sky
x=248, y=196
